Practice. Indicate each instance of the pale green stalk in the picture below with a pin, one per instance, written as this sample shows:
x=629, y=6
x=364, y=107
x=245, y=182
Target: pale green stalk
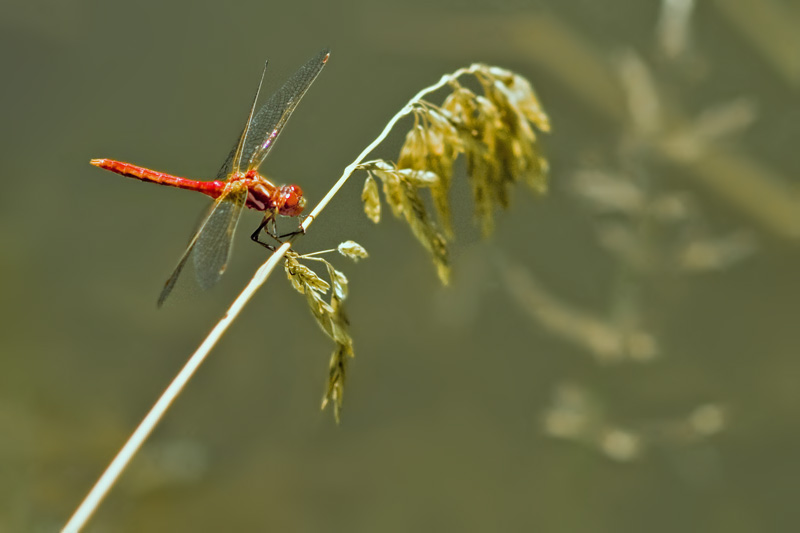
x=140, y=434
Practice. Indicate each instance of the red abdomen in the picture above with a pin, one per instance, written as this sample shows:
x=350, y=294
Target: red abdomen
x=211, y=188
x=262, y=195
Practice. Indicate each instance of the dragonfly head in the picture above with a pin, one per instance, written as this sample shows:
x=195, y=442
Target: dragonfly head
x=290, y=200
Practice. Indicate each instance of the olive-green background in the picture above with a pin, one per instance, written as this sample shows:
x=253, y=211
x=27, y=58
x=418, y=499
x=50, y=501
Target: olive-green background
x=442, y=426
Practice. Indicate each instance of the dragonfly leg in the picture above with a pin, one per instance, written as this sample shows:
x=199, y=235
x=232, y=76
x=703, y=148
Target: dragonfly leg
x=299, y=231
x=264, y=223
x=269, y=225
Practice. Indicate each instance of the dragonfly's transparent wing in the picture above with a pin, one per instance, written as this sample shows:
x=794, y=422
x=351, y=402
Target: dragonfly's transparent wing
x=267, y=124
x=210, y=247
x=233, y=161
x=214, y=244
x=227, y=167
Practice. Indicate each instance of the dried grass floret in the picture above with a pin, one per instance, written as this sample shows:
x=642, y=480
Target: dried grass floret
x=371, y=199
x=353, y=250
x=432, y=145
x=401, y=189
x=496, y=133
x=330, y=315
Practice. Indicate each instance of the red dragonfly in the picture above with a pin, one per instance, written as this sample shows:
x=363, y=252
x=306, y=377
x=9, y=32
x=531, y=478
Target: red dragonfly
x=238, y=183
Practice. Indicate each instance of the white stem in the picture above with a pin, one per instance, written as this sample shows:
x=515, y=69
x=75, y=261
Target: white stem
x=137, y=438
x=313, y=255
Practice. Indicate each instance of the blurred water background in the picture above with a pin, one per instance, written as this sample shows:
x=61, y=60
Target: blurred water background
x=622, y=354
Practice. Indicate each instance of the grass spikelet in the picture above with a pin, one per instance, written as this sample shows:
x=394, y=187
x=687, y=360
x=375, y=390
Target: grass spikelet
x=330, y=315
x=371, y=199
x=401, y=189
x=496, y=133
x=353, y=250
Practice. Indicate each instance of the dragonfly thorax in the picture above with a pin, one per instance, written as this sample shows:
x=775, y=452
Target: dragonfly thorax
x=262, y=195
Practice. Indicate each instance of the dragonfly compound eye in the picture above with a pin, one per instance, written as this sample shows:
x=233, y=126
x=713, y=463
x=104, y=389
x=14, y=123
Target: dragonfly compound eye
x=292, y=200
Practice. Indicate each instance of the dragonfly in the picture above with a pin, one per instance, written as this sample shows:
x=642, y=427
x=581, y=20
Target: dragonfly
x=238, y=183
